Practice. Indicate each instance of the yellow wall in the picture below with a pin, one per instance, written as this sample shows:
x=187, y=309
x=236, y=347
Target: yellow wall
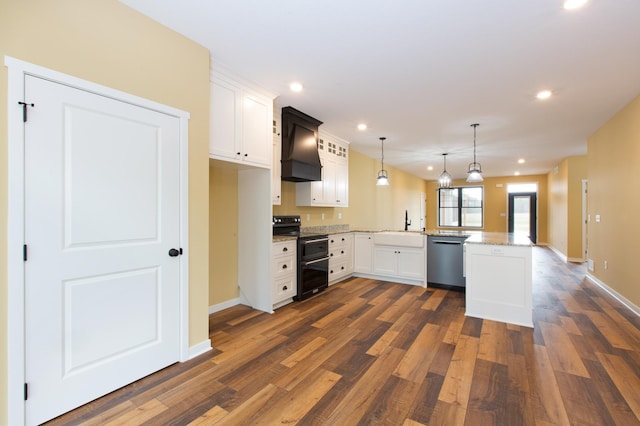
x=108, y=43
x=223, y=233
x=613, y=161
x=565, y=206
x=577, y=173
x=559, y=206
x=496, y=203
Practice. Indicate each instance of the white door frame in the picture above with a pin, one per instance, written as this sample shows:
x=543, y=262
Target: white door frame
x=16, y=225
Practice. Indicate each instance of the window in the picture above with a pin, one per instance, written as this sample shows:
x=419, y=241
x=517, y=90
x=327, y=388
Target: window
x=460, y=207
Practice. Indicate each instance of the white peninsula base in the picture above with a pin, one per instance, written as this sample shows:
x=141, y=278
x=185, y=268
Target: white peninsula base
x=499, y=279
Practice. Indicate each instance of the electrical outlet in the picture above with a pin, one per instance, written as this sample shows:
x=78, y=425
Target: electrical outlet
x=606, y=265
x=322, y=216
x=339, y=215
x=590, y=264
x=308, y=217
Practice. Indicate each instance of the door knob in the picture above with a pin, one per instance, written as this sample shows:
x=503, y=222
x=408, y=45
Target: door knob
x=174, y=252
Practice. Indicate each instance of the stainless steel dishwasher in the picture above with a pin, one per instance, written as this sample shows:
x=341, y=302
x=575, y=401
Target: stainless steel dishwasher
x=445, y=261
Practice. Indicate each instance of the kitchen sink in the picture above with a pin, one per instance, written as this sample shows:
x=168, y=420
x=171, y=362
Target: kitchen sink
x=399, y=238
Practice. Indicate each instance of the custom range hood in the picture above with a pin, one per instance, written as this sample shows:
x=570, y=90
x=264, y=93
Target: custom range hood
x=300, y=159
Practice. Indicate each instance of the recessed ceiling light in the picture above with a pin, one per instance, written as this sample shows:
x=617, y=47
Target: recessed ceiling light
x=544, y=94
x=362, y=126
x=295, y=87
x=574, y=4
x=429, y=168
x=516, y=174
x=521, y=161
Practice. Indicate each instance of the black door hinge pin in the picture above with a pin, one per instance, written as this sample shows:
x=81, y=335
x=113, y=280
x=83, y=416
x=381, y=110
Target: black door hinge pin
x=24, y=110
x=26, y=391
x=24, y=252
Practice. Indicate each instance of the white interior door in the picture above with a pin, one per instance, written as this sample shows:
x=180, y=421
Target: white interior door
x=101, y=214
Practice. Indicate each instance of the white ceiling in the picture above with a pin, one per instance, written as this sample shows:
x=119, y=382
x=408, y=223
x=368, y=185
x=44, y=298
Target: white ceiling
x=420, y=72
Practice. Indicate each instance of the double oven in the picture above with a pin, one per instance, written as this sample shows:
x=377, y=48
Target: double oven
x=312, y=258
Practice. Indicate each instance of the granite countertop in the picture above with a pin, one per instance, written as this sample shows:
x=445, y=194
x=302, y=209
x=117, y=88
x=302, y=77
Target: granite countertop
x=499, y=238
x=473, y=237
x=280, y=238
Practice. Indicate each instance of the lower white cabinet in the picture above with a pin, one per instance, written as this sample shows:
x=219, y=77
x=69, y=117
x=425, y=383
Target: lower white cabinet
x=283, y=272
x=340, y=257
x=363, y=253
x=499, y=281
x=401, y=262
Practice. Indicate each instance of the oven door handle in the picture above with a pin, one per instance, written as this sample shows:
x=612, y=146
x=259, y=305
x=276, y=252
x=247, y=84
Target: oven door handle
x=315, y=261
x=319, y=240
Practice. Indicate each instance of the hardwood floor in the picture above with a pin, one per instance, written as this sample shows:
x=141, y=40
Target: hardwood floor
x=371, y=352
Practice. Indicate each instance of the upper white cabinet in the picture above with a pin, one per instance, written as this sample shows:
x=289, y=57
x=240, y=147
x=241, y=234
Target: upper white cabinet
x=241, y=118
x=333, y=189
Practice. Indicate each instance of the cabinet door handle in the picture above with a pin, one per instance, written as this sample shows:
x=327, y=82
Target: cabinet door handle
x=285, y=249
x=285, y=288
x=238, y=153
x=284, y=266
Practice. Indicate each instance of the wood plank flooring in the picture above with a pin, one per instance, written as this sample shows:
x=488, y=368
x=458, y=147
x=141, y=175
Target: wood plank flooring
x=371, y=352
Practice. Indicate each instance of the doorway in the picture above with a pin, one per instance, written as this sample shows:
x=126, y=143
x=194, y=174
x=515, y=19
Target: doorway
x=97, y=196
x=522, y=214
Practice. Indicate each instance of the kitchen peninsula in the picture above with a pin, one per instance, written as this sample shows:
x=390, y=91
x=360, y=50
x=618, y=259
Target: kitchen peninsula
x=498, y=270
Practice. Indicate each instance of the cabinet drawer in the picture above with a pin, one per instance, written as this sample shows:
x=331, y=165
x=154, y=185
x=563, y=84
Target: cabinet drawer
x=284, y=248
x=337, y=253
x=337, y=240
x=284, y=288
x=283, y=266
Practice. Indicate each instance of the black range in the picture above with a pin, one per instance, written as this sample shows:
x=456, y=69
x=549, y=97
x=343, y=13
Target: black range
x=312, y=256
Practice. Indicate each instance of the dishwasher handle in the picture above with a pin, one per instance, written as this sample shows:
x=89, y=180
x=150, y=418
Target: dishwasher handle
x=446, y=242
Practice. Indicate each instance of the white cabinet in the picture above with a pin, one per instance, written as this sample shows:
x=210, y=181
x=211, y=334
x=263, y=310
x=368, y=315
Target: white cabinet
x=333, y=189
x=283, y=272
x=499, y=280
x=276, y=168
x=400, y=262
x=363, y=253
x=241, y=119
x=340, y=257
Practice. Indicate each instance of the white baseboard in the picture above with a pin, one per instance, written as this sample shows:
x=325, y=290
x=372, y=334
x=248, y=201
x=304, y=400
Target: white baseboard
x=558, y=253
x=224, y=305
x=626, y=302
x=200, y=348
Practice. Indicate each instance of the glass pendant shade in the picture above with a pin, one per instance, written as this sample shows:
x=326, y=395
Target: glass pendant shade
x=475, y=173
x=475, y=169
x=444, y=181
x=383, y=178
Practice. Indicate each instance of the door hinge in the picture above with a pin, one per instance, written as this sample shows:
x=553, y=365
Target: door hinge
x=181, y=251
x=24, y=110
x=26, y=391
x=24, y=252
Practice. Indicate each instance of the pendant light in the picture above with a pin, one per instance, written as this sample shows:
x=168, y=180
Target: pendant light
x=475, y=169
x=444, y=181
x=383, y=178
